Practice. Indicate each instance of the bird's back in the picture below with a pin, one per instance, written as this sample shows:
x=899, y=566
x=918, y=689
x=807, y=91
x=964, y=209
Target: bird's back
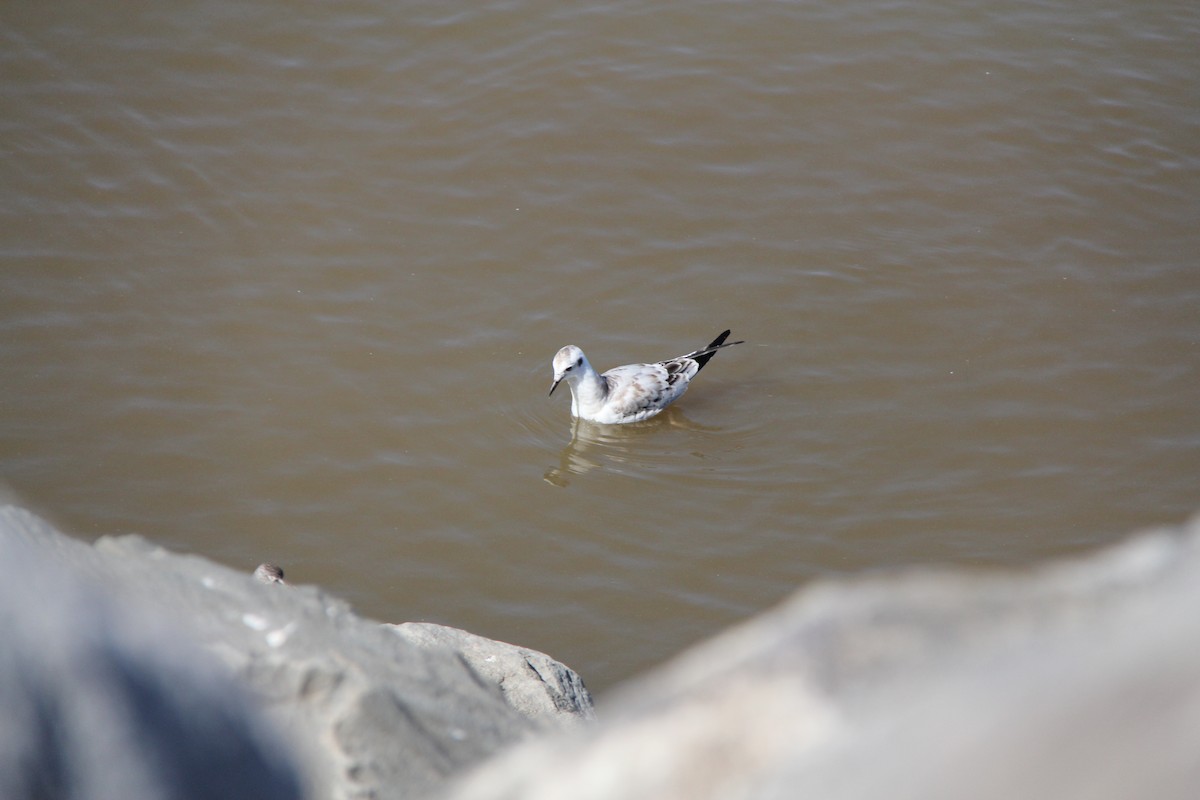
x=639, y=391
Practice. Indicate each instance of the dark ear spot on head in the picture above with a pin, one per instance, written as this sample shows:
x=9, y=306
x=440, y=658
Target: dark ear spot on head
x=579, y=361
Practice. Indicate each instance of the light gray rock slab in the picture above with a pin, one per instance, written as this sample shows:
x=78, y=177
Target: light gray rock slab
x=364, y=712
x=104, y=700
x=1074, y=680
x=535, y=684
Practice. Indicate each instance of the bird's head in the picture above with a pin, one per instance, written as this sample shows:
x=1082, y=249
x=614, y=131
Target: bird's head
x=569, y=363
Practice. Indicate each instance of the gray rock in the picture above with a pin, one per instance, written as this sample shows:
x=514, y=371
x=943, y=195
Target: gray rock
x=367, y=713
x=531, y=682
x=1076, y=680
x=101, y=700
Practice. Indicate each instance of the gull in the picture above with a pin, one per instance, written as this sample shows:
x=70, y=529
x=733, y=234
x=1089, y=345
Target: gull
x=630, y=393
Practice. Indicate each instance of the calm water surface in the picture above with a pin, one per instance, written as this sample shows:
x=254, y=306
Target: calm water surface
x=282, y=281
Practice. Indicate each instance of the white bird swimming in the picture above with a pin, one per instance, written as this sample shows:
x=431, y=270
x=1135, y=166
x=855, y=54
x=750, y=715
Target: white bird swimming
x=630, y=393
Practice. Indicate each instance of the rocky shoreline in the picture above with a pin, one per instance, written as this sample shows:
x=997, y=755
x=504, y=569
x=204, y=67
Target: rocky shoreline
x=127, y=671
x=330, y=705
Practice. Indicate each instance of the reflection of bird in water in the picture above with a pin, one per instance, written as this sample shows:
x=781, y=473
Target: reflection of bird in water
x=269, y=573
x=630, y=393
x=573, y=459
x=615, y=449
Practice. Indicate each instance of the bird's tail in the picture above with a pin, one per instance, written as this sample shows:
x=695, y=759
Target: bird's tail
x=702, y=356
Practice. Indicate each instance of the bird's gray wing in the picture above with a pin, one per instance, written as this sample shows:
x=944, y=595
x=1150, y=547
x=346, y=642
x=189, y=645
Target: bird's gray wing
x=639, y=391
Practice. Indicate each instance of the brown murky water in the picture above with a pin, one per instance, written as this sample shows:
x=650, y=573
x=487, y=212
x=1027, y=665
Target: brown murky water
x=282, y=281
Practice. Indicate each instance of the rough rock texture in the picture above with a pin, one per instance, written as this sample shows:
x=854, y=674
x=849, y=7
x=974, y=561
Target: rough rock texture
x=103, y=701
x=1077, y=680
x=107, y=651
x=130, y=672
x=531, y=682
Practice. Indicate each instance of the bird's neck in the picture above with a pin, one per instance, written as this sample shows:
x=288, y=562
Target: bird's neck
x=588, y=393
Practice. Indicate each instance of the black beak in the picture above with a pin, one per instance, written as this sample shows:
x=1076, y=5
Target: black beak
x=554, y=385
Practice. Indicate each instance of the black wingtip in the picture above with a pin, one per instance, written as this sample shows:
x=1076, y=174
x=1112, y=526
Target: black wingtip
x=702, y=357
x=719, y=340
